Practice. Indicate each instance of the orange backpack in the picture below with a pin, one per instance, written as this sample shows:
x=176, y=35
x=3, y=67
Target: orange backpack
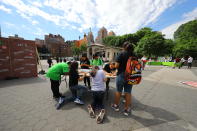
x=133, y=72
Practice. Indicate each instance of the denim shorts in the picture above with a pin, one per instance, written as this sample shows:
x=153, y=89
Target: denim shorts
x=122, y=84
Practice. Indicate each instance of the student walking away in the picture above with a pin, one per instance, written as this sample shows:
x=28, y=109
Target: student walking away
x=97, y=61
x=49, y=61
x=54, y=73
x=189, y=62
x=98, y=91
x=110, y=70
x=144, y=60
x=85, y=64
x=121, y=62
x=182, y=62
x=76, y=89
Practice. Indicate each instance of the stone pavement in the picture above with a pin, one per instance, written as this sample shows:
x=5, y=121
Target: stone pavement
x=160, y=102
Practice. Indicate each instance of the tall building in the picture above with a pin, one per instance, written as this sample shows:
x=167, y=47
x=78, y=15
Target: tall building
x=39, y=42
x=111, y=33
x=102, y=33
x=56, y=45
x=90, y=37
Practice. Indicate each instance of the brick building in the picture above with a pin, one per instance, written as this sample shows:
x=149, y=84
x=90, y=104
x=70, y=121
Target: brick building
x=57, y=46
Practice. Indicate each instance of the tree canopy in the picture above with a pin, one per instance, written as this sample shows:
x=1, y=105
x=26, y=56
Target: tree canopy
x=146, y=42
x=79, y=50
x=186, y=39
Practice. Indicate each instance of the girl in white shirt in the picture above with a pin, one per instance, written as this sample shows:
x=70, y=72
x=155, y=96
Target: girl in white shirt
x=98, y=91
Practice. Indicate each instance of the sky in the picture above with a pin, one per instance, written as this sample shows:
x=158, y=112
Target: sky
x=32, y=19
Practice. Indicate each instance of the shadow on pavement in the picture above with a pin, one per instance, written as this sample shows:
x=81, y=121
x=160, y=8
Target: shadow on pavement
x=150, y=116
x=144, y=114
x=21, y=81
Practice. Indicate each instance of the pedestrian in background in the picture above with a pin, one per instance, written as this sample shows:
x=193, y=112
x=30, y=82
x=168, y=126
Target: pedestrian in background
x=49, y=61
x=182, y=62
x=189, y=62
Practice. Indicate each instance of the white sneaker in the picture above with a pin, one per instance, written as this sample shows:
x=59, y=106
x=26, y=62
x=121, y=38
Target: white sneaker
x=78, y=101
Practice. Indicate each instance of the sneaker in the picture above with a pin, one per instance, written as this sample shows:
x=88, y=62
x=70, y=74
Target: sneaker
x=61, y=100
x=99, y=118
x=123, y=101
x=127, y=112
x=115, y=107
x=60, y=103
x=78, y=101
x=91, y=112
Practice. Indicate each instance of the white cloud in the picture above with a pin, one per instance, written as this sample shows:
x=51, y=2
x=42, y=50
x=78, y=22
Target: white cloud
x=169, y=31
x=3, y=8
x=125, y=16
x=36, y=3
x=34, y=22
x=39, y=32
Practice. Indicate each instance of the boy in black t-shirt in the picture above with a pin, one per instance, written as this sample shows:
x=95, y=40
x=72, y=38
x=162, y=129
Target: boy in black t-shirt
x=85, y=64
x=76, y=89
x=109, y=69
x=121, y=84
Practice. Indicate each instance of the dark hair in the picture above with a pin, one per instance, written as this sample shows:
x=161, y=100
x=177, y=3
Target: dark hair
x=128, y=47
x=64, y=60
x=73, y=67
x=94, y=71
x=95, y=55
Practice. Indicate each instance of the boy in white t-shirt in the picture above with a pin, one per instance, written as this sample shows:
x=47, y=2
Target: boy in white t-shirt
x=98, y=91
x=189, y=62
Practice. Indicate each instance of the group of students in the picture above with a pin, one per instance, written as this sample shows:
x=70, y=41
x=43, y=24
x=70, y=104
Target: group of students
x=98, y=81
x=180, y=62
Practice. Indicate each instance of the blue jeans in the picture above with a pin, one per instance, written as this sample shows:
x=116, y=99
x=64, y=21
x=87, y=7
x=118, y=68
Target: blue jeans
x=77, y=91
x=122, y=84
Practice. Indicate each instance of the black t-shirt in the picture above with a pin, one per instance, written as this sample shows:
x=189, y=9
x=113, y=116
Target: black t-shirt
x=108, y=69
x=73, y=78
x=85, y=62
x=122, y=60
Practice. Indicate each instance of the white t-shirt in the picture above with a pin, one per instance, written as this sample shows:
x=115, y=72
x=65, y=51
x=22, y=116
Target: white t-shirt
x=190, y=59
x=143, y=58
x=182, y=60
x=98, y=83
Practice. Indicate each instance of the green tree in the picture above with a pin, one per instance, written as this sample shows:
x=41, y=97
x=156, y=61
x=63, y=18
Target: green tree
x=77, y=51
x=152, y=45
x=186, y=39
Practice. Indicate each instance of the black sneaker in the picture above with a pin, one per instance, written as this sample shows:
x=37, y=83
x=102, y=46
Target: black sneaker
x=115, y=107
x=127, y=112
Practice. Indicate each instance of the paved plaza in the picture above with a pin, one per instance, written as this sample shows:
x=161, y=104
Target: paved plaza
x=160, y=103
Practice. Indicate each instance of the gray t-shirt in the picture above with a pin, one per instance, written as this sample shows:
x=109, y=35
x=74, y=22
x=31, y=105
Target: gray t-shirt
x=98, y=83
